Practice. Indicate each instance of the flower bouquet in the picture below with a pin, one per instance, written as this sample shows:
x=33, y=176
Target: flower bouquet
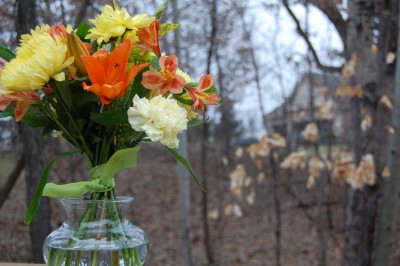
x=105, y=89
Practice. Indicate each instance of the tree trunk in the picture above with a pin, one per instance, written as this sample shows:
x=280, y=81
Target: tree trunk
x=209, y=247
x=33, y=149
x=182, y=175
x=361, y=208
x=389, y=205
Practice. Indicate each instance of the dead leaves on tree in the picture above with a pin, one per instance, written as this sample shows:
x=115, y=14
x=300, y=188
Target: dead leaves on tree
x=311, y=132
x=242, y=186
x=342, y=171
x=358, y=177
x=263, y=148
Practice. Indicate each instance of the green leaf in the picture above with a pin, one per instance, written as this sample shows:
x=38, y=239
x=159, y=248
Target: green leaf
x=82, y=31
x=212, y=89
x=154, y=64
x=195, y=123
x=137, y=88
x=193, y=84
x=185, y=163
x=76, y=84
x=161, y=9
x=167, y=27
x=121, y=159
x=6, y=53
x=83, y=98
x=8, y=112
x=95, y=46
x=34, y=121
x=183, y=100
x=111, y=117
x=70, y=190
x=31, y=211
x=65, y=92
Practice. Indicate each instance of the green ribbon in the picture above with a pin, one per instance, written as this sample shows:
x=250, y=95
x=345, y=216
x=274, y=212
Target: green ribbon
x=102, y=176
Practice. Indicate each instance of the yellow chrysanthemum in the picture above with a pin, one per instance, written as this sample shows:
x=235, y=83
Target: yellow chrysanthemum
x=38, y=59
x=114, y=22
x=189, y=109
x=184, y=75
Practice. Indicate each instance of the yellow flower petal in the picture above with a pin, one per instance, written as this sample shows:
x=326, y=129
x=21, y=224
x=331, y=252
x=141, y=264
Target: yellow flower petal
x=59, y=76
x=38, y=59
x=113, y=23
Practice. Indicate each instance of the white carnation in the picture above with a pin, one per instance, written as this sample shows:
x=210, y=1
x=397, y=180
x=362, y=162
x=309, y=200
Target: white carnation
x=160, y=118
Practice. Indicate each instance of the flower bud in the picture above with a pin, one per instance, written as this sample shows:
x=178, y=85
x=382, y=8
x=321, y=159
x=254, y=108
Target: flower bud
x=77, y=48
x=58, y=31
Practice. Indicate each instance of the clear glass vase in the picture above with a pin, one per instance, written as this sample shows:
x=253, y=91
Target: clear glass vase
x=96, y=232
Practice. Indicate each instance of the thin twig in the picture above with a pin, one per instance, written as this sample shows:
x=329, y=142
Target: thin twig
x=304, y=35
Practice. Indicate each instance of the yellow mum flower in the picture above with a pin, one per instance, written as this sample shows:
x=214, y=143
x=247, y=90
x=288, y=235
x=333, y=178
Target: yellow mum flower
x=114, y=22
x=38, y=30
x=185, y=76
x=38, y=59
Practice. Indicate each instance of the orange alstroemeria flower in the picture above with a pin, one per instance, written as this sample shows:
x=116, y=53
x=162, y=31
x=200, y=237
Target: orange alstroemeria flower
x=201, y=98
x=107, y=72
x=149, y=37
x=22, y=101
x=165, y=80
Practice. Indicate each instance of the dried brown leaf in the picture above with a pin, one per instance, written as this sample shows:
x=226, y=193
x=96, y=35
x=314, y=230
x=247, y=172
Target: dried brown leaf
x=295, y=160
x=386, y=102
x=311, y=132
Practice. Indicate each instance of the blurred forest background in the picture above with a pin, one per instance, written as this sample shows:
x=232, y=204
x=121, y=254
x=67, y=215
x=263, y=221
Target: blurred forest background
x=300, y=162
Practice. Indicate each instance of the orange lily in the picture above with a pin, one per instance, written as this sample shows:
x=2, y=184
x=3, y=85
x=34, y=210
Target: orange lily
x=22, y=101
x=108, y=72
x=149, y=37
x=165, y=80
x=201, y=98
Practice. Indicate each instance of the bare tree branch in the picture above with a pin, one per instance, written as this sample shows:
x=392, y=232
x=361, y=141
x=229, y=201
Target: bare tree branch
x=329, y=8
x=304, y=35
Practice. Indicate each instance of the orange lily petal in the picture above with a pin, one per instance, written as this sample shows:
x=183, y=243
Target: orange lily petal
x=109, y=93
x=108, y=72
x=94, y=66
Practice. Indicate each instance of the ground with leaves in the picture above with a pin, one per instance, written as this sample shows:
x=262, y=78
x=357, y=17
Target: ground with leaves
x=242, y=221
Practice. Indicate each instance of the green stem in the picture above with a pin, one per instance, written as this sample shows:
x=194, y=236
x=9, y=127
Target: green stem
x=51, y=256
x=68, y=257
x=137, y=257
x=102, y=217
x=83, y=147
x=56, y=124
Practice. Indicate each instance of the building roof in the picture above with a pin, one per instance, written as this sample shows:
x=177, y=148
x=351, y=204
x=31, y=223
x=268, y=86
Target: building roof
x=299, y=99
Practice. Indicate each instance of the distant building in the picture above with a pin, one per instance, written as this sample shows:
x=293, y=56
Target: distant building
x=312, y=99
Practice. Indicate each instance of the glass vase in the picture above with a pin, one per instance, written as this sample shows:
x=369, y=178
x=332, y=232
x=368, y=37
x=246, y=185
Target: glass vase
x=96, y=232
